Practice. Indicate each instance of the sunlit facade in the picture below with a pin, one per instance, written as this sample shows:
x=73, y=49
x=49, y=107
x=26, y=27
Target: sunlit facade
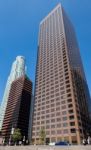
x=17, y=70
x=61, y=91
x=18, y=107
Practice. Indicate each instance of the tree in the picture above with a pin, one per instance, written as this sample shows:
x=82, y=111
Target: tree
x=42, y=136
x=16, y=136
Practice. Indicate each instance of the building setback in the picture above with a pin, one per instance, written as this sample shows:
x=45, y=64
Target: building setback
x=18, y=107
x=61, y=91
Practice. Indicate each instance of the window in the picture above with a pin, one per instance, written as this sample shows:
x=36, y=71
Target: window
x=47, y=127
x=53, y=120
x=52, y=110
x=53, y=126
x=70, y=105
x=52, y=105
x=57, y=108
x=47, y=111
x=66, y=78
x=65, y=124
x=38, y=123
x=69, y=95
x=52, y=115
x=47, y=132
x=64, y=113
x=42, y=117
x=53, y=139
x=72, y=123
x=67, y=86
x=53, y=132
x=64, y=118
x=71, y=111
x=58, y=125
x=64, y=107
x=65, y=131
x=58, y=119
x=58, y=114
x=59, y=131
x=47, y=116
x=33, y=134
x=71, y=117
x=42, y=122
x=58, y=104
x=73, y=130
x=38, y=128
x=63, y=92
x=68, y=90
x=63, y=102
x=69, y=100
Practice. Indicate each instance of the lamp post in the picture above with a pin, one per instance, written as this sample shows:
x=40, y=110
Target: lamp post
x=12, y=132
x=24, y=139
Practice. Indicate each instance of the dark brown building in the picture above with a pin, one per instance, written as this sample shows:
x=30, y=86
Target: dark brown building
x=61, y=91
x=18, y=107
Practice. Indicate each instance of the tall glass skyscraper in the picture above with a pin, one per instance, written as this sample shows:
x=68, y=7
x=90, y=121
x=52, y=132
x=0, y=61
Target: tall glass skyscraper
x=17, y=70
x=61, y=91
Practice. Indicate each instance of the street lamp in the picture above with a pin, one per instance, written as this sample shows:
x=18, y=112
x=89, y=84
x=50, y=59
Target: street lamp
x=24, y=140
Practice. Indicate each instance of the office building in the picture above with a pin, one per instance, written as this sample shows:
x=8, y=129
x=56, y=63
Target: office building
x=61, y=91
x=18, y=108
x=17, y=70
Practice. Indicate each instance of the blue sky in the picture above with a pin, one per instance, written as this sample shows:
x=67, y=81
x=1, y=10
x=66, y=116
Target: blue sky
x=19, y=25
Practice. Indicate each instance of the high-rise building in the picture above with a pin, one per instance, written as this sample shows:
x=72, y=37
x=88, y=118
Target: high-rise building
x=18, y=107
x=17, y=70
x=61, y=91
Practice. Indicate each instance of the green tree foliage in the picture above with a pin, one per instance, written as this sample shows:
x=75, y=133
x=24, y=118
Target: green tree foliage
x=42, y=136
x=17, y=135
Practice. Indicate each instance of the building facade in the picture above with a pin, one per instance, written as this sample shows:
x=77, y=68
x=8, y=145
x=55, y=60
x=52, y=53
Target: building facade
x=31, y=119
x=18, y=107
x=61, y=91
x=17, y=70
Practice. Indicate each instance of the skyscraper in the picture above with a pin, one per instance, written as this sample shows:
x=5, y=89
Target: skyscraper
x=17, y=70
x=61, y=91
x=18, y=107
